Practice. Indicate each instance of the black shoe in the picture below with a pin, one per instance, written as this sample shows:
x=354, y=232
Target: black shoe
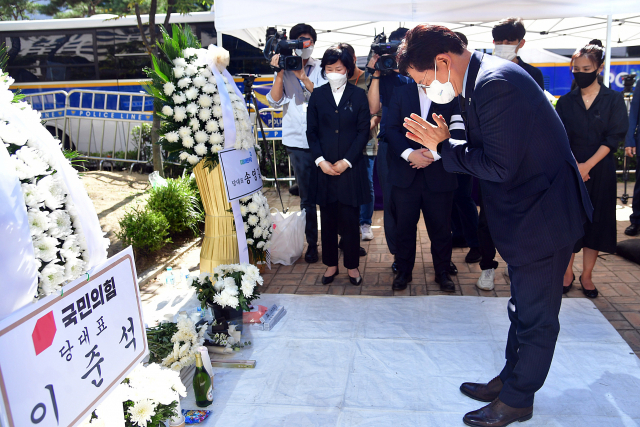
x=566, y=289
x=497, y=414
x=363, y=252
x=356, y=281
x=401, y=281
x=312, y=254
x=328, y=279
x=445, y=282
x=483, y=392
x=294, y=190
x=453, y=270
x=632, y=230
x=459, y=243
x=473, y=256
x=593, y=293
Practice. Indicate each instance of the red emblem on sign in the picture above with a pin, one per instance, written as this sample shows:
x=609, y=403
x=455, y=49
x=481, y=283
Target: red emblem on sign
x=43, y=333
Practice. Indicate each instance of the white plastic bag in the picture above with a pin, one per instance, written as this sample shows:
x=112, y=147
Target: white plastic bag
x=156, y=180
x=287, y=240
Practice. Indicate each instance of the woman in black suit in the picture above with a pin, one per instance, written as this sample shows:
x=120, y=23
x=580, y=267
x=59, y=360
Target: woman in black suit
x=337, y=131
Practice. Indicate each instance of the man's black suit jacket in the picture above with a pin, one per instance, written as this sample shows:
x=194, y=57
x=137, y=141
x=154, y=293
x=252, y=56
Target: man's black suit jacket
x=406, y=101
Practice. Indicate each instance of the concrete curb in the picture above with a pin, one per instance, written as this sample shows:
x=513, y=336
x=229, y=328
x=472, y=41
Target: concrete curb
x=153, y=272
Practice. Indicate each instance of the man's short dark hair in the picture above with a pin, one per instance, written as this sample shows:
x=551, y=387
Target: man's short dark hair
x=338, y=53
x=423, y=43
x=398, y=34
x=510, y=29
x=463, y=38
x=299, y=29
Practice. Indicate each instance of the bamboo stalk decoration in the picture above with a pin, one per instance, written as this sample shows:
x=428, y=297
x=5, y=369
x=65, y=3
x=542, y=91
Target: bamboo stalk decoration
x=220, y=243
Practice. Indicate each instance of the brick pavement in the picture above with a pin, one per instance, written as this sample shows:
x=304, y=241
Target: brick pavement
x=617, y=279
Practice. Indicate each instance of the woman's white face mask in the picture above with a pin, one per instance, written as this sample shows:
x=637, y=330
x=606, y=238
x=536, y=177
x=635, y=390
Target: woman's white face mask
x=336, y=80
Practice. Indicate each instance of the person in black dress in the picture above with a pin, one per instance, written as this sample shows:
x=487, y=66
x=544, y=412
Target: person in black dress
x=337, y=132
x=595, y=118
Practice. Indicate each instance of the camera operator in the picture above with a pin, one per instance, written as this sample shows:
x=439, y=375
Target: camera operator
x=380, y=94
x=292, y=90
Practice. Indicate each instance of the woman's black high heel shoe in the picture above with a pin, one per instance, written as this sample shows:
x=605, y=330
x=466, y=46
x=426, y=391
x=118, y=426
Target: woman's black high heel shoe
x=356, y=281
x=593, y=293
x=566, y=289
x=328, y=279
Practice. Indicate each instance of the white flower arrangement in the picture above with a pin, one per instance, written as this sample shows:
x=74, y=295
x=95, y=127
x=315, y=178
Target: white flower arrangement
x=233, y=286
x=258, y=224
x=185, y=344
x=58, y=240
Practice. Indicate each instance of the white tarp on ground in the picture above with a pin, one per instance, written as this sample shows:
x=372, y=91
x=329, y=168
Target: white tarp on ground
x=368, y=361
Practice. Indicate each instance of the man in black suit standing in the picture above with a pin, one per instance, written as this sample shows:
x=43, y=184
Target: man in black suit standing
x=535, y=199
x=420, y=183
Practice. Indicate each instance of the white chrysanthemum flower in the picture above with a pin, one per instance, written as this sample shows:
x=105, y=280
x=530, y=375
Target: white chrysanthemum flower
x=142, y=411
x=45, y=247
x=200, y=149
x=204, y=114
x=245, y=145
x=192, y=109
x=217, y=112
x=193, y=159
x=246, y=228
x=190, y=70
x=39, y=222
x=23, y=171
x=199, y=81
x=52, y=191
x=179, y=98
x=192, y=93
x=243, y=210
x=209, y=88
x=184, y=82
x=237, y=145
x=184, y=132
x=219, y=285
x=205, y=101
x=60, y=224
x=179, y=62
x=179, y=114
x=250, y=242
x=260, y=245
x=73, y=268
x=216, y=99
x=194, y=123
x=51, y=276
x=169, y=88
x=184, y=156
x=32, y=195
x=231, y=87
x=216, y=138
x=69, y=248
x=206, y=72
x=252, y=220
x=230, y=285
x=188, y=142
x=257, y=232
x=253, y=207
x=189, y=52
x=201, y=137
x=167, y=111
x=212, y=125
x=262, y=212
x=12, y=134
x=172, y=136
x=34, y=160
x=215, y=148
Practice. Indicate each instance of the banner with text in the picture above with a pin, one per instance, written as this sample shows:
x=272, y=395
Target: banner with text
x=241, y=172
x=62, y=356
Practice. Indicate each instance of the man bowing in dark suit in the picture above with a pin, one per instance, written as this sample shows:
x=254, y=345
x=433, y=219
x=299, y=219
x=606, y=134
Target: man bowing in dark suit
x=420, y=183
x=535, y=199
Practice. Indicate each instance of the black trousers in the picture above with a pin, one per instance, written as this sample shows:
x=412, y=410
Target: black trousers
x=304, y=165
x=338, y=218
x=487, y=247
x=536, y=296
x=464, y=215
x=389, y=210
x=436, y=209
x=635, y=203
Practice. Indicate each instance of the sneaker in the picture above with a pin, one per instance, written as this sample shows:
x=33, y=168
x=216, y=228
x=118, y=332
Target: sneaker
x=367, y=234
x=485, y=281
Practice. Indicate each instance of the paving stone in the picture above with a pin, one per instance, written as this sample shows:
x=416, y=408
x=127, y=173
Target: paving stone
x=288, y=289
x=632, y=317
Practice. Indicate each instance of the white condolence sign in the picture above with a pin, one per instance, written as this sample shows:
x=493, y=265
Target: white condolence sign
x=65, y=354
x=241, y=172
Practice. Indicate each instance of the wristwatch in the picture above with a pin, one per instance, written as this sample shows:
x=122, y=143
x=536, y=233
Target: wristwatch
x=439, y=148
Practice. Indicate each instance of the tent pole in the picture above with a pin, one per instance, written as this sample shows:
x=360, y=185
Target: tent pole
x=607, y=53
x=219, y=38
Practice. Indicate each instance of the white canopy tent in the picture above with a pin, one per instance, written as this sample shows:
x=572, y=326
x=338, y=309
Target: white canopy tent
x=549, y=23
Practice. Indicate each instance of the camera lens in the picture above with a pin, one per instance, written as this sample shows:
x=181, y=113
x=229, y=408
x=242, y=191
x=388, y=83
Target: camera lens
x=388, y=63
x=293, y=63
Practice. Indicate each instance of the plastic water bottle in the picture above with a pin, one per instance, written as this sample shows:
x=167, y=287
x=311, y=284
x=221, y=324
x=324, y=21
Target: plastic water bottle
x=169, y=279
x=184, y=275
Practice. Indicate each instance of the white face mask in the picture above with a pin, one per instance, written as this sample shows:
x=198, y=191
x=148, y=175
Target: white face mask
x=441, y=93
x=305, y=53
x=505, y=51
x=336, y=80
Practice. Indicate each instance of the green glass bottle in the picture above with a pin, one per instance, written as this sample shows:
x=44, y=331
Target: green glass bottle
x=202, y=386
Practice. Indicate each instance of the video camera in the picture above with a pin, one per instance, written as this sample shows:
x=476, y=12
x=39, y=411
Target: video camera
x=247, y=80
x=387, y=51
x=277, y=43
x=628, y=82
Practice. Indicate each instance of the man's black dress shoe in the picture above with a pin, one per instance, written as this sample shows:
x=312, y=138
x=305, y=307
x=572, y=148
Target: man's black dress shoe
x=356, y=281
x=483, y=392
x=401, y=281
x=445, y=282
x=328, y=279
x=473, y=256
x=363, y=252
x=312, y=254
x=566, y=289
x=453, y=270
x=632, y=230
x=593, y=293
x=294, y=190
x=497, y=414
